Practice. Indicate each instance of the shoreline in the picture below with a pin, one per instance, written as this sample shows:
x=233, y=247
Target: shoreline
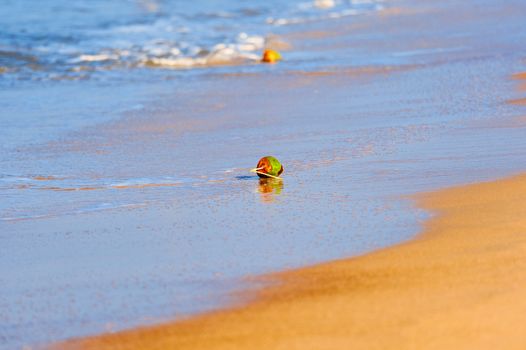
x=457, y=285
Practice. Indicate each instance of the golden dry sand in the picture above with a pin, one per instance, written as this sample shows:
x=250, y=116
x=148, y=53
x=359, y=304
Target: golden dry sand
x=460, y=285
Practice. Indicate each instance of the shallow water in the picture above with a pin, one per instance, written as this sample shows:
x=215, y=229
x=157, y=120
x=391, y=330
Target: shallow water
x=126, y=197
x=65, y=40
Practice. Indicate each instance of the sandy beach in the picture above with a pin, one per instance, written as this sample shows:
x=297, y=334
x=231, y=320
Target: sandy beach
x=460, y=285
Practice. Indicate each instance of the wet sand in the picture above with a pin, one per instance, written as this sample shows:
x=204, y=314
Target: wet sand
x=460, y=285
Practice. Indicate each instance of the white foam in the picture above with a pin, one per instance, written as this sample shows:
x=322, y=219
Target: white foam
x=179, y=62
x=243, y=51
x=324, y=4
x=96, y=58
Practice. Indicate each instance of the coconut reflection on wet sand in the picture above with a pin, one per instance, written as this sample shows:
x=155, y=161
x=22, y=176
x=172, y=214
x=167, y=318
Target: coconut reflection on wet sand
x=270, y=189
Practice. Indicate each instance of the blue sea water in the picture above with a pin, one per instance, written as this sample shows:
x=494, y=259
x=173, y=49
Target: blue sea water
x=76, y=39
